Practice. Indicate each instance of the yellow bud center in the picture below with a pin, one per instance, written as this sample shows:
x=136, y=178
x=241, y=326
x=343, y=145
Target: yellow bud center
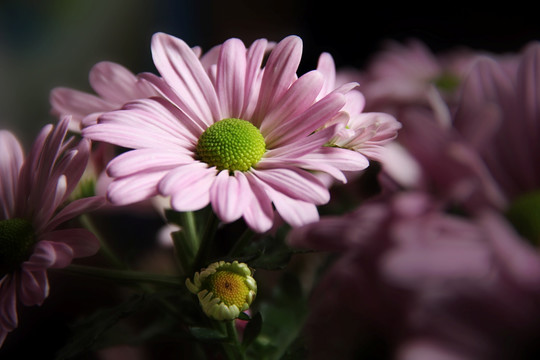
x=230, y=287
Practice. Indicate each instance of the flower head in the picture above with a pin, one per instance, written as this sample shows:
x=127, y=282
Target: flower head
x=230, y=131
x=224, y=289
x=33, y=196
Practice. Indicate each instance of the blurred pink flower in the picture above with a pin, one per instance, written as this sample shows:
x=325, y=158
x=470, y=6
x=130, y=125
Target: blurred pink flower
x=278, y=115
x=488, y=153
x=438, y=160
x=33, y=196
x=410, y=73
x=411, y=282
x=499, y=115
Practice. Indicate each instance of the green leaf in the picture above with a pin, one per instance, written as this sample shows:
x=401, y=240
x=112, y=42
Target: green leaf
x=524, y=214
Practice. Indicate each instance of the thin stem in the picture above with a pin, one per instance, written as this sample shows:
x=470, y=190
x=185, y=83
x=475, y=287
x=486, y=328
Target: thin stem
x=125, y=276
x=232, y=337
x=189, y=226
x=104, y=246
x=206, y=242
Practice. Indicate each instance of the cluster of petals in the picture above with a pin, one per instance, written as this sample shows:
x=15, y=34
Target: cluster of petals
x=36, y=189
x=297, y=117
x=364, y=132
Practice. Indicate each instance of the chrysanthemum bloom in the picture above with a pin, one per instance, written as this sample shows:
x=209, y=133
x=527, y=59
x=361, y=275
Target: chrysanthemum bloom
x=114, y=85
x=237, y=134
x=417, y=283
x=33, y=195
x=224, y=289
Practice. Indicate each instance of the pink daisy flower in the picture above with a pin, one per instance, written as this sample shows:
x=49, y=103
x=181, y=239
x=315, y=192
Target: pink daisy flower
x=33, y=191
x=235, y=133
x=114, y=84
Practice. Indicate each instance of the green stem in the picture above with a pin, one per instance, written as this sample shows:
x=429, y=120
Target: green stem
x=125, y=276
x=104, y=246
x=201, y=259
x=232, y=337
x=189, y=226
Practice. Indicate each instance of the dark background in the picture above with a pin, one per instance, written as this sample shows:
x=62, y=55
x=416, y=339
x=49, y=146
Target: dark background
x=51, y=43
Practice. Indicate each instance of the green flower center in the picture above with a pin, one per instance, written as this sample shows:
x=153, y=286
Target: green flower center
x=524, y=214
x=231, y=144
x=230, y=287
x=447, y=82
x=17, y=238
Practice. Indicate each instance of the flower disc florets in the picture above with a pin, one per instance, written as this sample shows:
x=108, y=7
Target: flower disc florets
x=224, y=289
x=17, y=237
x=231, y=144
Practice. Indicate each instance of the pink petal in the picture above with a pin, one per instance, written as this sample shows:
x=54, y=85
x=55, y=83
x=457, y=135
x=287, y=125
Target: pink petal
x=11, y=160
x=74, y=209
x=298, y=98
x=528, y=88
x=302, y=146
x=78, y=104
x=255, y=56
x=230, y=82
x=149, y=160
x=259, y=214
x=8, y=303
x=295, y=183
x=308, y=121
x=183, y=71
x=230, y=195
x=43, y=157
x=279, y=74
x=189, y=186
x=327, y=67
x=73, y=165
x=161, y=114
x=294, y=212
x=135, y=188
x=342, y=159
x=79, y=243
x=49, y=254
x=3, y=335
x=134, y=136
x=33, y=286
x=116, y=84
x=53, y=195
